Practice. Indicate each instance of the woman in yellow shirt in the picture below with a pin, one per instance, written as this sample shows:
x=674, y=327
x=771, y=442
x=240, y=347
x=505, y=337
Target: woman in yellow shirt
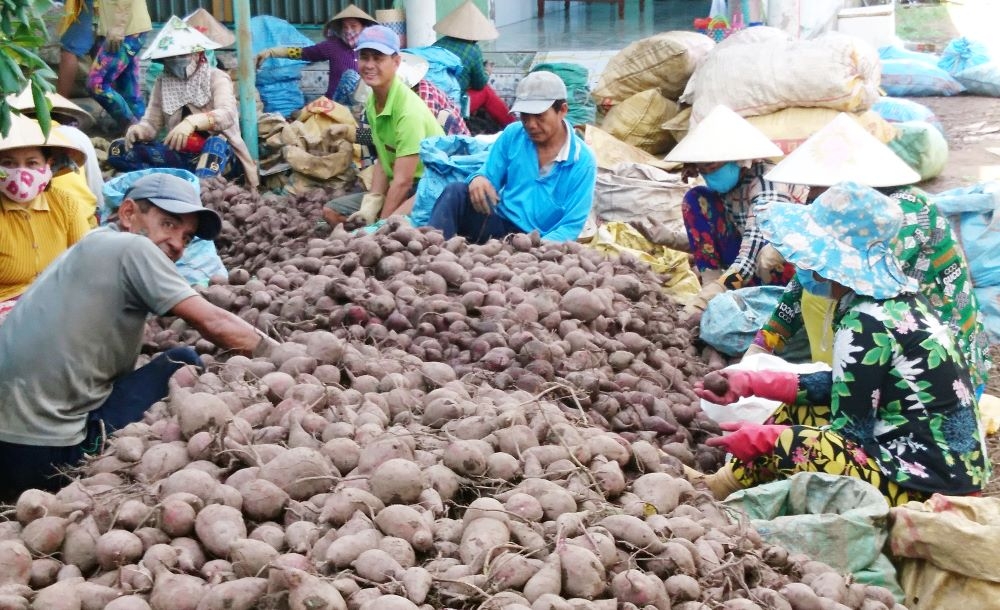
x=37, y=222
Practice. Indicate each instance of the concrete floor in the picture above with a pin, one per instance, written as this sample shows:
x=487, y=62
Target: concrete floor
x=596, y=27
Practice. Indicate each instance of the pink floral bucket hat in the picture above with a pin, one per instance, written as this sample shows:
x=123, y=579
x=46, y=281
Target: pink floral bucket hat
x=846, y=235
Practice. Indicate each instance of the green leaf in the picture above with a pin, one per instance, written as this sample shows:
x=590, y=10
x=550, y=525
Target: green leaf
x=43, y=109
x=11, y=77
x=4, y=118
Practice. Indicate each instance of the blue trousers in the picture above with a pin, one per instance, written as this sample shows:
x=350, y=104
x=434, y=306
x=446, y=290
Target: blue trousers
x=37, y=466
x=454, y=215
x=210, y=162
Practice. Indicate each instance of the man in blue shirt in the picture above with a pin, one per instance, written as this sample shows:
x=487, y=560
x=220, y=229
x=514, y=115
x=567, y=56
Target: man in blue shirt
x=539, y=175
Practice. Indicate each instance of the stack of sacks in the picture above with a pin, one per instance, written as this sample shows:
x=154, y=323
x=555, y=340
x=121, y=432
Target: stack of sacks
x=909, y=74
x=319, y=146
x=640, y=85
x=788, y=89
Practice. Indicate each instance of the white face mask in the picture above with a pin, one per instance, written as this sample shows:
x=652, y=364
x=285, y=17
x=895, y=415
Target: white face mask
x=23, y=184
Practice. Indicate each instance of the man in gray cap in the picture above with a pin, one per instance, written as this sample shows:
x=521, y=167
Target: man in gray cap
x=68, y=351
x=539, y=175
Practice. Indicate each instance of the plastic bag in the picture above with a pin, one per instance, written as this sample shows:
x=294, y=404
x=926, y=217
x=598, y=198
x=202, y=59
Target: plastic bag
x=444, y=70
x=900, y=110
x=733, y=318
x=582, y=109
x=446, y=159
x=278, y=78
x=983, y=79
x=922, y=146
x=962, y=54
x=910, y=78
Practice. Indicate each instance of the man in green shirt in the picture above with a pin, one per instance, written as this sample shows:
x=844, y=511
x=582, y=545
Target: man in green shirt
x=400, y=120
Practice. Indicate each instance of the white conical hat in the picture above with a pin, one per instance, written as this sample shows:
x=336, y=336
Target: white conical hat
x=204, y=22
x=24, y=101
x=843, y=151
x=351, y=12
x=26, y=132
x=468, y=23
x=412, y=69
x=723, y=135
x=178, y=38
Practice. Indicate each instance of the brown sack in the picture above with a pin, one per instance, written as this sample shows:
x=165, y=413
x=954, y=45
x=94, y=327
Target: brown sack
x=638, y=121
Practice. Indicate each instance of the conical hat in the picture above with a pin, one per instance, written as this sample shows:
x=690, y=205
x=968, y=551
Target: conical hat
x=25, y=132
x=721, y=136
x=843, y=151
x=412, y=69
x=178, y=38
x=23, y=101
x=468, y=23
x=212, y=28
x=351, y=12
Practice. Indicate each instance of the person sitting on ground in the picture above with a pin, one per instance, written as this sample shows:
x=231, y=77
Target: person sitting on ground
x=37, y=221
x=461, y=30
x=400, y=121
x=897, y=410
x=341, y=34
x=68, y=376
x=539, y=175
x=843, y=151
x=412, y=70
x=730, y=155
x=194, y=103
x=84, y=185
x=114, y=76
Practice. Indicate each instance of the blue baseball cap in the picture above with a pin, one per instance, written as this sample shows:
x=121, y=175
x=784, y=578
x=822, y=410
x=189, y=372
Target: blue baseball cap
x=378, y=38
x=176, y=195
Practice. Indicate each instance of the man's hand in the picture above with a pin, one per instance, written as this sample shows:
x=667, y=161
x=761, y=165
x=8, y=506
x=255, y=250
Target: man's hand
x=178, y=136
x=770, y=264
x=368, y=213
x=113, y=42
x=483, y=195
x=747, y=441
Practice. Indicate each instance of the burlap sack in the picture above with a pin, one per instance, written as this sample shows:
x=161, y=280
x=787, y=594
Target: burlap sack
x=664, y=61
x=321, y=166
x=638, y=121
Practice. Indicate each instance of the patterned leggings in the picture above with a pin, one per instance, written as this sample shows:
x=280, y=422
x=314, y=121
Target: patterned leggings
x=805, y=447
x=212, y=160
x=114, y=81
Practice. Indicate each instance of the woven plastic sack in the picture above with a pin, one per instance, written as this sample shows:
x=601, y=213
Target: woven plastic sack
x=278, y=78
x=636, y=192
x=621, y=238
x=733, y=318
x=790, y=127
x=900, y=110
x=833, y=71
x=446, y=159
x=443, y=71
x=989, y=311
x=665, y=61
x=962, y=54
x=838, y=520
x=910, y=78
x=983, y=79
x=977, y=228
x=638, y=121
x=922, y=147
x=894, y=52
x=576, y=78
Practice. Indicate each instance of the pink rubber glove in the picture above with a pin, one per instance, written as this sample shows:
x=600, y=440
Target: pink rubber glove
x=773, y=385
x=747, y=442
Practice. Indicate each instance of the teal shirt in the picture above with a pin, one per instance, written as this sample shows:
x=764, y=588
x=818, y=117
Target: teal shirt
x=401, y=126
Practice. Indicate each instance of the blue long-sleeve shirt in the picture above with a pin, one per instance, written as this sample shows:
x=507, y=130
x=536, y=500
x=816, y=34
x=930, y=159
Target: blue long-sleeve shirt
x=557, y=204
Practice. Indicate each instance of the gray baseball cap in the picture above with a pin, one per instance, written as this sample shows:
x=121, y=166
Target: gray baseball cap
x=537, y=92
x=178, y=196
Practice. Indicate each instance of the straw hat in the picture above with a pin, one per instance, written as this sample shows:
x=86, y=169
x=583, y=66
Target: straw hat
x=178, y=38
x=26, y=132
x=351, y=12
x=721, y=136
x=846, y=235
x=843, y=151
x=23, y=101
x=468, y=23
x=412, y=69
x=212, y=28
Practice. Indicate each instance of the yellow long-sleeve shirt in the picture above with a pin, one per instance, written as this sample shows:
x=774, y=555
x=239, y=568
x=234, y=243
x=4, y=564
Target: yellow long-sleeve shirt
x=32, y=236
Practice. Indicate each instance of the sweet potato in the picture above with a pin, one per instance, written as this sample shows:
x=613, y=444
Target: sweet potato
x=404, y=522
x=44, y=535
x=634, y=531
x=582, y=573
x=397, y=481
x=640, y=588
x=128, y=602
x=389, y=602
x=377, y=566
x=249, y=557
x=301, y=472
x=480, y=536
x=43, y=572
x=417, y=583
x=64, y=595
x=161, y=460
x=217, y=526
x=177, y=592
x=346, y=549
x=263, y=500
x=307, y=592
x=240, y=594
x=96, y=597
x=15, y=563
x=548, y=579
x=118, y=547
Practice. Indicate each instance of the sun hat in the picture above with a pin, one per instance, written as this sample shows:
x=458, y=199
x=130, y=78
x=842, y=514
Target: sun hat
x=468, y=23
x=723, y=136
x=846, y=235
x=843, y=151
x=351, y=12
x=212, y=28
x=378, y=38
x=178, y=38
x=176, y=195
x=537, y=92
x=412, y=69
x=25, y=132
x=25, y=102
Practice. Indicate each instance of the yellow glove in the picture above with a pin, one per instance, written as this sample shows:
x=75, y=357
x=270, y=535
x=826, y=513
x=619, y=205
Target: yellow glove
x=770, y=264
x=178, y=136
x=371, y=207
x=264, y=55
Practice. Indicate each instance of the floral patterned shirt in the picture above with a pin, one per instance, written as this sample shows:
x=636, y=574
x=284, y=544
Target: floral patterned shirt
x=901, y=391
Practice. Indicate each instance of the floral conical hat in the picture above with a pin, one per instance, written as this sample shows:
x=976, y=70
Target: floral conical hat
x=212, y=28
x=178, y=38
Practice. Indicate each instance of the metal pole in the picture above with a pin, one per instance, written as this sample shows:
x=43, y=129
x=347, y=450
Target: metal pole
x=246, y=75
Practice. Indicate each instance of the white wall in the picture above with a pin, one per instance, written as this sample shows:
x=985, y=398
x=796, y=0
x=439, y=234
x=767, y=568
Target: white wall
x=506, y=12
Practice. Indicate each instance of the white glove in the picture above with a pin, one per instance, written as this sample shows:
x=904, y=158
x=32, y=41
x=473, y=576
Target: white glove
x=691, y=314
x=178, y=136
x=371, y=207
x=770, y=264
x=132, y=135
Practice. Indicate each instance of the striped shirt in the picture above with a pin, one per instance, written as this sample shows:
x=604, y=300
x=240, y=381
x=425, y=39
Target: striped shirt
x=444, y=110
